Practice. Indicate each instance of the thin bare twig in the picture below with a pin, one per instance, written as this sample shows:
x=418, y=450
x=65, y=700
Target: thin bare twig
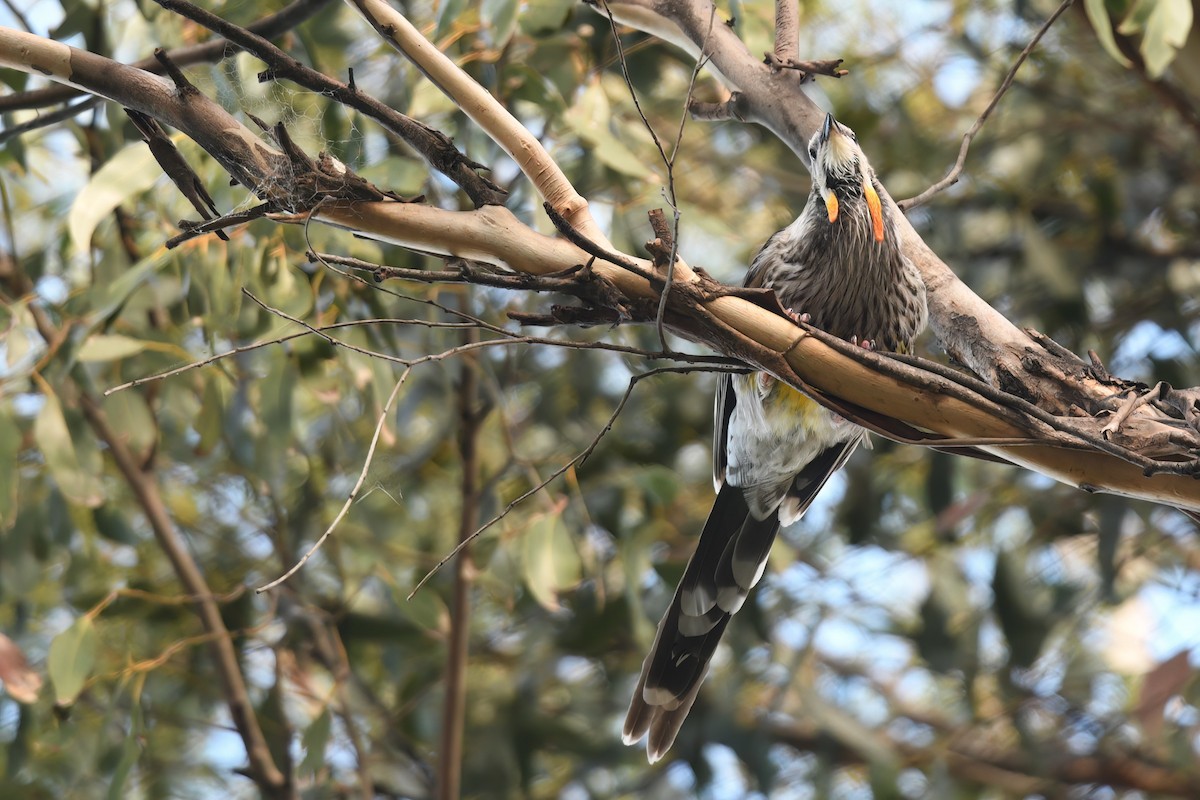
x=574, y=462
x=362, y=476
x=158, y=376
x=49, y=118
x=671, y=197
x=577, y=238
x=1134, y=402
x=325, y=336
x=668, y=160
x=270, y=26
x=952, y=176
x=669, y=267
x=434, y=146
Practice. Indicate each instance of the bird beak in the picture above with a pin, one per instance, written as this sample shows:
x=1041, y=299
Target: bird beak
x=831, y=201
x=827, y=127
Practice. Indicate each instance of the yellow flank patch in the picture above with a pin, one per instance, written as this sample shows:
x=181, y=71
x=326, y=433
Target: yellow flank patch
x=790, y=401
x=781, y=404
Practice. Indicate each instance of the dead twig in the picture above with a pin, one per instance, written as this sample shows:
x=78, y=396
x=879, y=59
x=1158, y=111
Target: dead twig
x=952, y=176
x=437, y=148
x=577, y=461
x=829, y=67
x=362, y=476
x=1133, y=402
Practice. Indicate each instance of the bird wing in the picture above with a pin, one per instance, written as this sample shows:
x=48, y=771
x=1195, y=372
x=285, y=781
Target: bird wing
x=809, y=481
x=722, y=411
x=726, y=398
x=729, y=560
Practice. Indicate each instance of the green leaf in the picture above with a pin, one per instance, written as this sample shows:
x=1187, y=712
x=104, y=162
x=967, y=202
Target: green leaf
x=10, y=445
x=314, y=741
x=542, y=17
x=111, y=524
x=1167, y=29
x=70, y=660
x=1098, y=15
x=277, y=399
x=74, y=464
x=132, y=421
x=550, y=561
x=21, y=337
x=101, y=347
x=427, y=610
x=590, y=118
x=1020, y=607
x=106, y=298
x=131, y=748
x=13, y=79
x=451, y=12
x=210, y=424
x=79, y=18
x=131, y=171
x=500, y=17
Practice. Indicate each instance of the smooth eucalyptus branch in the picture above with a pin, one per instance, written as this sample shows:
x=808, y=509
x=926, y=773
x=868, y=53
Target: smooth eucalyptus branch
x=971, y=330
x=699, y=310
x=495, y=120
x=787, y=31
x=270, y=26
x=434, y=146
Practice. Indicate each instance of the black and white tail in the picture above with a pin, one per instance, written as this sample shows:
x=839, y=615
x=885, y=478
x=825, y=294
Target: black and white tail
x=729, y=560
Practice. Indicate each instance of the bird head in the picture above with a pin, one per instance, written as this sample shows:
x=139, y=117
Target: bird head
x=839, y=168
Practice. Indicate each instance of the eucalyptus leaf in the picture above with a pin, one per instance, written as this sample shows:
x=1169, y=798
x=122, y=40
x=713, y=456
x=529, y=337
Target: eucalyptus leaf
x=101, y=347
x=314, y=741
x=1166, y=30
x=70, y=660
x=550, y=560
x=131, y=748
x=131, y=171
x=1097, y=14
x=74, y=463
x=590, y=117
x=10, y=446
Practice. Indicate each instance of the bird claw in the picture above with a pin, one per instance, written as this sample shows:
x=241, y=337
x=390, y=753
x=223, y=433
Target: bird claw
x=865, y=344
x=797, y=317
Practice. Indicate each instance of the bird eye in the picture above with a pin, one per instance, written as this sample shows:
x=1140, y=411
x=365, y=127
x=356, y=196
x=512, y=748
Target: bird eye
x=812, y=152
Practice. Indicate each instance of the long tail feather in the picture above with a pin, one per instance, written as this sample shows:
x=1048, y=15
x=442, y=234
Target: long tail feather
x=729, y=561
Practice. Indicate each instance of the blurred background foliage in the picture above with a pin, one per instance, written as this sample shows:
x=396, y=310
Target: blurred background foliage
x=934, y=627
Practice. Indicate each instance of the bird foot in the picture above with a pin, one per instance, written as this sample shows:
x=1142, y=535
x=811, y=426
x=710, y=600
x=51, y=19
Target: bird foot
x=865, y=344
x=797, y=317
